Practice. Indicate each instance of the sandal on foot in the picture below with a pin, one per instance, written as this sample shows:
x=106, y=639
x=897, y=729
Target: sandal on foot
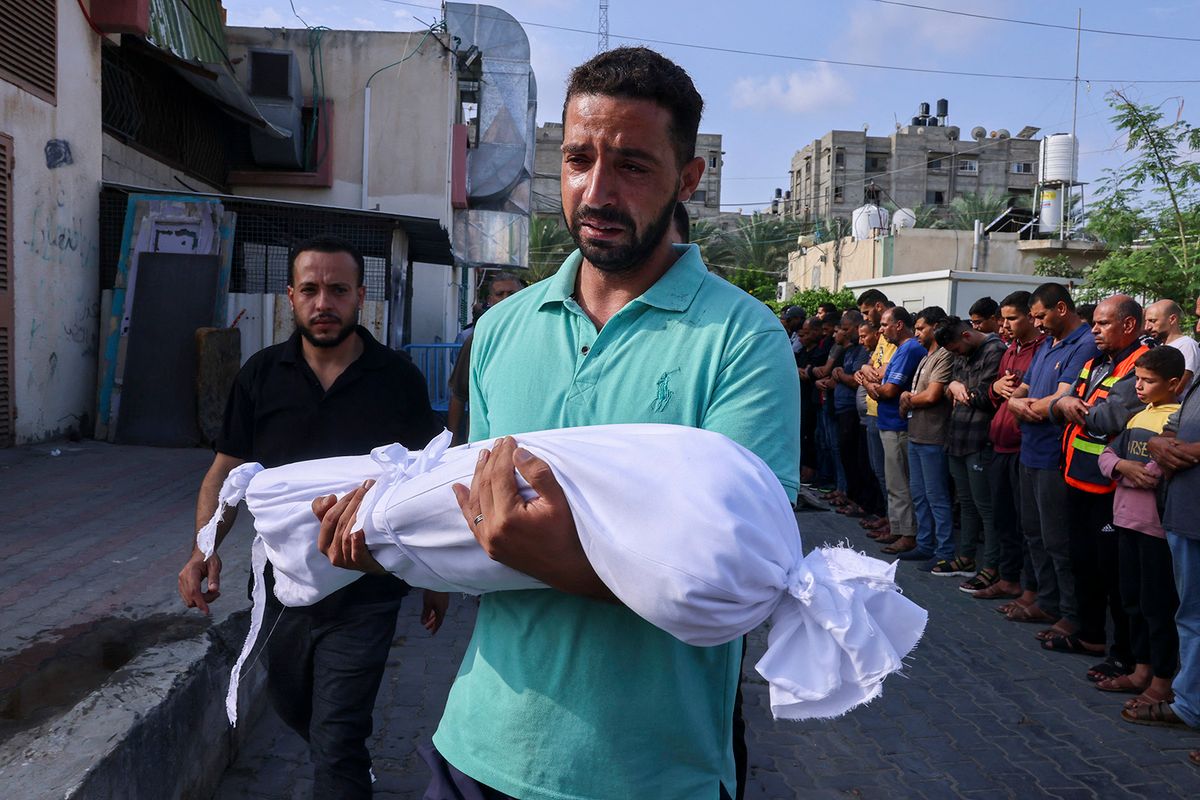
x=1054, y=630
x=984, y=579
x=1147, y=699
x=1005, y=608
x=1108, y=668
x=1070, y=643
x=1029, y=614
x=901, y=546
x=891, y=538
x=1194, y=757
x=1159, y=714
x=995, y=592
x=1123, y=684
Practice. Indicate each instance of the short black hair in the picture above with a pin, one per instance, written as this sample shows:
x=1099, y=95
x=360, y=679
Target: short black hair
x=871, y=297
x=932, y=315
x=683, y=225
x=984, y=307
x=324, y=244
x=950, y=330
x=1018, y=300
x=1166, y=362
x=852, y=316
x=639, y=73
x=828, y=308
x=1085, y=312
x=902, y=315
x=1050, y=295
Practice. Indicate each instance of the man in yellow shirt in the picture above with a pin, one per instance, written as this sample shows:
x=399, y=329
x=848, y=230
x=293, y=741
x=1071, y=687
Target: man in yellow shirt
x=872, y=303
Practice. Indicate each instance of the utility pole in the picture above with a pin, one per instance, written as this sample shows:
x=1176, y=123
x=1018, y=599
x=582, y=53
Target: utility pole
x=602, y=38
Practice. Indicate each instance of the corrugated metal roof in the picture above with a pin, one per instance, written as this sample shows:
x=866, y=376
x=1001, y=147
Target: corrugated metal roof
x=189, y=29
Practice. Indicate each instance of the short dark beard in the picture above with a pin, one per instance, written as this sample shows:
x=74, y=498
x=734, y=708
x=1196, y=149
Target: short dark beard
x=621, y=258
x=342, y=335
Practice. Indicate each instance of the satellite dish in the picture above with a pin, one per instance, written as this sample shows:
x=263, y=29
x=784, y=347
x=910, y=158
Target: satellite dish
x=978, y=133
x=1003, y=134
x=952, y=132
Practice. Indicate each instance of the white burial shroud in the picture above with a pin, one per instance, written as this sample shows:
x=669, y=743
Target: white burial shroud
x=692, y=532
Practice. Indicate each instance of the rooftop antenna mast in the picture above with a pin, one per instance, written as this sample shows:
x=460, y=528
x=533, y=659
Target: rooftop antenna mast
x=1075, y=103
x=602, y=38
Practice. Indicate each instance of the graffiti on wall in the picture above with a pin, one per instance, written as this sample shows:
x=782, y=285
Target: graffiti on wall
x=58, y=153
x=59, y=235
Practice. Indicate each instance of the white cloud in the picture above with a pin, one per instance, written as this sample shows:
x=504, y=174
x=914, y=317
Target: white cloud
x=264, y=17
x=817, y=90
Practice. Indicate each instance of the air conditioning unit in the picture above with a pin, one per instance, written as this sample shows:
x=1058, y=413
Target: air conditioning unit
x=274, y=86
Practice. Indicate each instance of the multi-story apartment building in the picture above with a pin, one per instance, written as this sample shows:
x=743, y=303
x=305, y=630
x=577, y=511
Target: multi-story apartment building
x=919, y=164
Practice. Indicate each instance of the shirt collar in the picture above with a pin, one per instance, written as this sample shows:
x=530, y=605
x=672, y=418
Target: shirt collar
x=374, y=354
x=674, y=291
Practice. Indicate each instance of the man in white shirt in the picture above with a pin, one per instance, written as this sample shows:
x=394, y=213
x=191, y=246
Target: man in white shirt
x=1162, y=322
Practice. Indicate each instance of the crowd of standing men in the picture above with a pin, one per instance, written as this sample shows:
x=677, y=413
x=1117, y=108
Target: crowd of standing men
x=1066, y=446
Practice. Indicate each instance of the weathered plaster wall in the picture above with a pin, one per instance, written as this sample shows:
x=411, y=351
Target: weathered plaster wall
x=55, y=218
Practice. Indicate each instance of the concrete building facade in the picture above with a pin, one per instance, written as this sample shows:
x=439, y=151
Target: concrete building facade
x=705, y=202
x=907, y=251
x=917, y=165
x=50, y=164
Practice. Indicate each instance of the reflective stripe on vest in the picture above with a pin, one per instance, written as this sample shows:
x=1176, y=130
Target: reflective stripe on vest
x=1081, y=450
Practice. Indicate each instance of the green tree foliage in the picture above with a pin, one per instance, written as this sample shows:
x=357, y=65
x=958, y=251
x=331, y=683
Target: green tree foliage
x=811, y=299
x=753, y=255
x=1148, y=212
x=549, y=245
x=1058, y=266
x=967, y=207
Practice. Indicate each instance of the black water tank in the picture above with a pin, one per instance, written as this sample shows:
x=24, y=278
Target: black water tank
x=943, y=107
x=924, y=107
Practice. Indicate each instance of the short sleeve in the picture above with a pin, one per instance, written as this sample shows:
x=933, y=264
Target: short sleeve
x=943, y=370
x=1191, y=353
x=1079, y=356
x=237, y=429
x=904, y=364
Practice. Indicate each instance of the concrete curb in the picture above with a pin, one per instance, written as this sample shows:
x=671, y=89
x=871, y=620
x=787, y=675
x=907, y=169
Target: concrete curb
x=155, y=729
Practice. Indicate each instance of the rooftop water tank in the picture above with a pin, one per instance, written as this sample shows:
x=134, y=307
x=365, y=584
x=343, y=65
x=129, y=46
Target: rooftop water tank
x=1060, y=158
x=866, y=219
x=904, y=218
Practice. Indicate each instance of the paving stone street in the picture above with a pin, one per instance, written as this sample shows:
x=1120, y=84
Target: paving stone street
x=95, y=535
x=982, y=713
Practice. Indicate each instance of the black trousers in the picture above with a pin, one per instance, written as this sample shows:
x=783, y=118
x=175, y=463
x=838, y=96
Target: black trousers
x=1148, y=591
x=1094, y=563
x=1004, y=475
x=324, y=666
x=861, y=485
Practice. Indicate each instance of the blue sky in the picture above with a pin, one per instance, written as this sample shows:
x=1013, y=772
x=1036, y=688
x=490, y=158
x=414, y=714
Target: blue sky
x=768, y=107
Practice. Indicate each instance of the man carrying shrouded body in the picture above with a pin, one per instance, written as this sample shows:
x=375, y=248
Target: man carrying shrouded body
x=564, y=692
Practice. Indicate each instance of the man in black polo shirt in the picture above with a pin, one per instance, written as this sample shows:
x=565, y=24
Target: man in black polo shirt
x=330, y=390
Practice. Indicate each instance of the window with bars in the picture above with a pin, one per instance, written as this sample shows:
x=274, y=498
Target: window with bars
x=29, y=46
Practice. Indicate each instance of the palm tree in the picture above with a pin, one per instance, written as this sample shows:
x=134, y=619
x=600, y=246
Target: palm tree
x=549, y=244
x=967, y=207
x=754, y=255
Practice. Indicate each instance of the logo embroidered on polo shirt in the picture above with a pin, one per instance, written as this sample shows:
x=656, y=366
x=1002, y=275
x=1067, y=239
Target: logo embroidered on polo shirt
x=664, y=394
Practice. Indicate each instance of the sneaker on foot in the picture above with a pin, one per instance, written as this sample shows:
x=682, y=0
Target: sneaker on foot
x=958, y=567
x=915, y=554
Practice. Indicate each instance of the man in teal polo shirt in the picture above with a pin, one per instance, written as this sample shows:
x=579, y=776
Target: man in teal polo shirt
x=566, y=694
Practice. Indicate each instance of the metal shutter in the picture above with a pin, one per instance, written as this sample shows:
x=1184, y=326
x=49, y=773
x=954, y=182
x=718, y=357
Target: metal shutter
x=29, y=46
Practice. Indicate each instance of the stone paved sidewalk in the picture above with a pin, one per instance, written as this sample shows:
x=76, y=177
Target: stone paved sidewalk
x=982, y=713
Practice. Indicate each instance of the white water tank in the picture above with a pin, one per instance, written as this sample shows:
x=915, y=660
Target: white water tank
x=1051, y=213
x=904, y=218
x=1060, y=158
x=866, y=219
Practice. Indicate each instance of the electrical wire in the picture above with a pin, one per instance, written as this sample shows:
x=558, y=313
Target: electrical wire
x=88, y=17
x=811, y=60
x=1036, y=24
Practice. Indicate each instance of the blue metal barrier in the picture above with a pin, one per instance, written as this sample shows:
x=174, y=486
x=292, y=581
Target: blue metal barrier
x=436, y=362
